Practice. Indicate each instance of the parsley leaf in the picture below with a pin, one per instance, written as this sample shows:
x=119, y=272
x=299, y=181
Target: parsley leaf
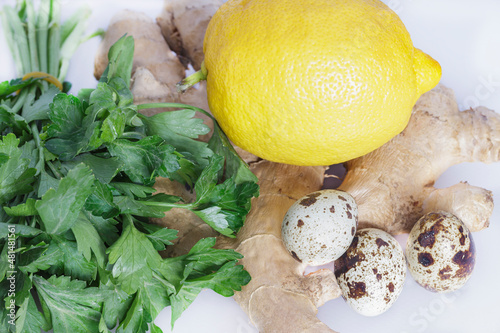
x=119, y=56
x=235, y=167
x=66, y=133
x=77, y=178
x=24, y=209
x=100, y=202
x=137, y=317
x=39, y=110
x=145, y=159
x=72, y=262
x=117, y=304
x=162, y=237
x=15, y=176
x=28, y=318
x=228, y=278
x=88, y=239
x=9, y=87
x=203, y=267
x=132, y=256
x=71, y=305
x=178, y=128
x=59, y=208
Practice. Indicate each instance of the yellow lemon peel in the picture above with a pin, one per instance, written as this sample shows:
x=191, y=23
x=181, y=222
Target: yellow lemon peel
x=312, y=82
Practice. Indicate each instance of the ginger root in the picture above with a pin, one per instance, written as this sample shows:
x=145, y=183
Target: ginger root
x=393, y=185
x=183, y=25
x=156, y=69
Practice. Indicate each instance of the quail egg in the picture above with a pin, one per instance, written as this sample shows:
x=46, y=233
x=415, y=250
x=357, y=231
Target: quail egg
x=440, y=252
x=319, y=227
x=372, y=272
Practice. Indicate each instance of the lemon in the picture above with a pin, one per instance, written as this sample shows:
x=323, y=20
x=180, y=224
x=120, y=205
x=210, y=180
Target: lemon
x=312, y=82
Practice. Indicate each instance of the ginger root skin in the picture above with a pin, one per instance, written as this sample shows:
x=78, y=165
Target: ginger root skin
x=183, y=24
x=394, y=185
x=156, y=69
x=154, y=63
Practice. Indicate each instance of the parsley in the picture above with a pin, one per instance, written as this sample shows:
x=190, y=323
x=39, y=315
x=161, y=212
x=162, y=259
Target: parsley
x=76, y=192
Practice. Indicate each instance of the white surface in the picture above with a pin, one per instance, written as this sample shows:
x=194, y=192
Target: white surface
x=464, y=36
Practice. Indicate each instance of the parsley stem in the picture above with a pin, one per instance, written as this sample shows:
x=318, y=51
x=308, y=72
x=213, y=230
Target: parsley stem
x=34, y=222
x=169, y=204
x=133, y=135
x=128, y=220
x=9, y=36
x=41, y=158
x=21, y=99
x=174, y=105
x=32, y=44
x=42, y=27
x=21, y=40
x=52, y=168
x=54, y=40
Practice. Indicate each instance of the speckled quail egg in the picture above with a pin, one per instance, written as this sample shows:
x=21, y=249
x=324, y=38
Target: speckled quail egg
x=440, y=252
x=319, y=227
x=372, y=272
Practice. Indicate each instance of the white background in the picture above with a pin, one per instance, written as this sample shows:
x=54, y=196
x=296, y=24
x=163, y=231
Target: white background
x=464, y=36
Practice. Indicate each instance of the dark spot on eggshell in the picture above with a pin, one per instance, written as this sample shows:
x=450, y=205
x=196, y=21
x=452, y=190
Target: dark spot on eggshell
x=425, y=259
x=462, y=235
x=349, y=259
x=294, y=255
x=349, y=215
x=348, y=206
x=375, y=271
x=387, y=299
x=444, y=273
x=390, y=286
x=309, y=199
x=342, y=198
x=356, y=289
x=380, y=242
x=427, y=238
x=465, y=260
x=332, y=209
x=353, y=231
x=287, y=222
x=323, y=246
x=379, y=277
x=364, y=233
x=300, y=223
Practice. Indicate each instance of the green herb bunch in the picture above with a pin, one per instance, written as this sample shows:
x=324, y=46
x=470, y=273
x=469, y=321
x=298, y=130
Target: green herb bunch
x=78, y=252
